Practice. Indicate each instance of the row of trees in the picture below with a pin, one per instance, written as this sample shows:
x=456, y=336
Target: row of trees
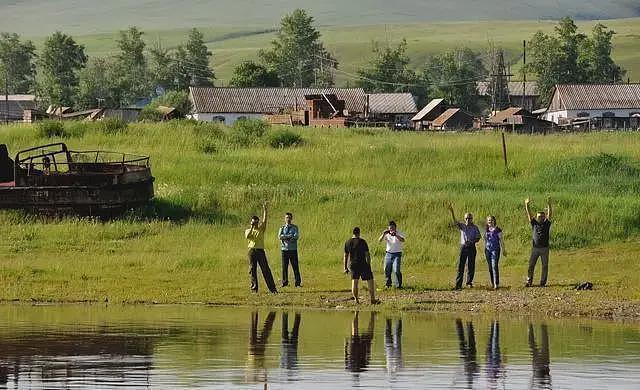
x=62, y=74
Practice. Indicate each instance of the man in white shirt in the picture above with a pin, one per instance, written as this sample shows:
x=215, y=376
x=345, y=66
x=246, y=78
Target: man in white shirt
x=392, y=259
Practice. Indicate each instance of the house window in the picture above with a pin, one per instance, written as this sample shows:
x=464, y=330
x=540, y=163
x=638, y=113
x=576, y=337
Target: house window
x=609, y=114
x=583, y=115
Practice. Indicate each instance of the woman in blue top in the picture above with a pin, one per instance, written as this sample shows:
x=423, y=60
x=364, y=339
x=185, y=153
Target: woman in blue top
x=493, y=244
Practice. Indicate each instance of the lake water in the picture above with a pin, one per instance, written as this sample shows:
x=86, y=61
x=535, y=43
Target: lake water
x=238, y=348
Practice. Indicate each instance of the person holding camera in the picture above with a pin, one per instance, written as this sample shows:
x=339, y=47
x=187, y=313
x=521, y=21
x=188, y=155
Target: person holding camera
x=469, y=236
x=393, y=256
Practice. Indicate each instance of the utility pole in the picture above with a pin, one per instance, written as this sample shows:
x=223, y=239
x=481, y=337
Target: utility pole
x=524, y=71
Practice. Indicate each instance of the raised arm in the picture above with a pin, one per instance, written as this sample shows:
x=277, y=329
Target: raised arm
x=526, y=207
x=453, y=215
x=400, y=237
x=382, y=235
x=263, y=223
x=549, y=210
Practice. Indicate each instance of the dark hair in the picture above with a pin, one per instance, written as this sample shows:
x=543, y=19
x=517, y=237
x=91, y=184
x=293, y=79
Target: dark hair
x=289, y=214
x=255, y=217
x=356, y=231
x=392, y=223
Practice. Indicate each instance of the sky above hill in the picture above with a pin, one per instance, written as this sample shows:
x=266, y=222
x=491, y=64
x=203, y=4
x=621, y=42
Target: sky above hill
x=41, y=17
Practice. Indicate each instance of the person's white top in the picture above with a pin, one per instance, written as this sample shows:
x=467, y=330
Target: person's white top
x=394, y=245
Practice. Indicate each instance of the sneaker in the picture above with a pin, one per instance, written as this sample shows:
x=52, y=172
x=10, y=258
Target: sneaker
x=298, y=285
x=470, y=285
x=285, y=284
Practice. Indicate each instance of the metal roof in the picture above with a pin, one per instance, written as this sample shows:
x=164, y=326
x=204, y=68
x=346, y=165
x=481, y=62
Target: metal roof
x=504, y=115
x=442, y=119
x=597, y=96
x=515, y=88
x=392, y=103
x=267, y=100
x=427, y=109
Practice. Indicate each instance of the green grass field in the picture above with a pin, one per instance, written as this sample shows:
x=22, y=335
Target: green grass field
x=352, y=44
x=190, y=246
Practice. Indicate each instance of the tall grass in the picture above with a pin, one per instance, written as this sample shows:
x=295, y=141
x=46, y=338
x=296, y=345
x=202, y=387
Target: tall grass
x=333, y=181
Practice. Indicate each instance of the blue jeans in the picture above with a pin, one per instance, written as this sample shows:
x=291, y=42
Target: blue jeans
x=392, y=264
x=493, y=257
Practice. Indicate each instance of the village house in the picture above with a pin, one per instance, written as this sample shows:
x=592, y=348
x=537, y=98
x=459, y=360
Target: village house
x=453, y=119
x=392, y=109
x=518, y=119
x=516, y=92
x=422, y=120
x=12, y=107
x=613, y=106
x=227, y=105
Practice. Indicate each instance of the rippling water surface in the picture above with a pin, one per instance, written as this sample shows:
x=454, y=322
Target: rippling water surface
x=204, y=347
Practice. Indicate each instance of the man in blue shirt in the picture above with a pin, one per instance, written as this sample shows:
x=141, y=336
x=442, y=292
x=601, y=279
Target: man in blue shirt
x=288, y=236
x=469, y=236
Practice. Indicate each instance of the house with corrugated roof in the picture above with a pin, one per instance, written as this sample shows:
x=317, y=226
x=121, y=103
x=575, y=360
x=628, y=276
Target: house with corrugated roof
x=391, y=108
x=227, y=105
x=518, y=119
x=453, y=119
x=597, y=105
x=12, y=107
x=422, y=120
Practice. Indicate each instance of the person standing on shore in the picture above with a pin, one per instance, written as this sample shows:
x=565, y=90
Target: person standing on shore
x=493, y=246
x=288, y=236
x=393, y=255
x=469, y=236
x=357, y=261
x=540, y=229
x=257, y=255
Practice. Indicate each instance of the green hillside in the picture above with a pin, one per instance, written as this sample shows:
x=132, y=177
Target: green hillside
x=207, y=185
x=352, y=44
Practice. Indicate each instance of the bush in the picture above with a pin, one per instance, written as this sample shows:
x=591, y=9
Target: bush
x=111, y=125
x=76, y=128
x=248, y=131
x=50, y=129
x=284, y=139
x=150, y=113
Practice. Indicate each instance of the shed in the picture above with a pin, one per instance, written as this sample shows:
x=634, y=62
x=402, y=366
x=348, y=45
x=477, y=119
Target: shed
x=453, y=119
x=518, y=119
x=422, y=120
x=12, y=106
x=391, y=108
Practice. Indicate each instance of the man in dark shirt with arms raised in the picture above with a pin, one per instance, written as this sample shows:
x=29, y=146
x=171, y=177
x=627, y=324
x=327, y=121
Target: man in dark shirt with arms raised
x=540, y=228
x=357, y=260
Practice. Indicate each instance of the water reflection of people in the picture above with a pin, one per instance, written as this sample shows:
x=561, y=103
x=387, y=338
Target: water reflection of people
x=540, y=358
x=494, y=357
x=257, y=347
x=289, y=344
x=357, y=350
x=393, y=345
x=467, y=351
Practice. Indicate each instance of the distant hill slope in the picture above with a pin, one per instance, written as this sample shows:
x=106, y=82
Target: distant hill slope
x=41, y=17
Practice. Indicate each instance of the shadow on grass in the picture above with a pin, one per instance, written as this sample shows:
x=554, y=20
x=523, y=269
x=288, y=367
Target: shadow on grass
x=164, y=210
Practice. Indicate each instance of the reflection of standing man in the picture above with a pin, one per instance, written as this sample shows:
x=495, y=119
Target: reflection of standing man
x=393, y=345
x=357, y=350
x=540, y=358
x=393, y=255
x=257, y=348
x=467, y=351
x=289, y=344
x=288, y=236
x=494, y=357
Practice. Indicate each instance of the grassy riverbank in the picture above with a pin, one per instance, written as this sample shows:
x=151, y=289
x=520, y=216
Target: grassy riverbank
x=189, y=247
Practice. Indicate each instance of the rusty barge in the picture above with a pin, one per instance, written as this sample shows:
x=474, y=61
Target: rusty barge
x=51, y=179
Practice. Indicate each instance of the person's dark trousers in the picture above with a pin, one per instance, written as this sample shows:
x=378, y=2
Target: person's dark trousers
x=258, y=257
x=290, y=257
x=392, y=263
x=468, y=258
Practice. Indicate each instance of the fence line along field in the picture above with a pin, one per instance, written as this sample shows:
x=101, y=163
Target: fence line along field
x=189, y=246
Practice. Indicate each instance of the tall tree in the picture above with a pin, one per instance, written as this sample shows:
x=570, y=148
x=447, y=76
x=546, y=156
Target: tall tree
x=97, y=86
x=297, y=55
x=196, y=60
x=133, y=80
x=251, y=74
x=60, y=61
x=453, y=75
x=162, y=67
x=388, y=71
x=568, y=56
x=17, y=64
